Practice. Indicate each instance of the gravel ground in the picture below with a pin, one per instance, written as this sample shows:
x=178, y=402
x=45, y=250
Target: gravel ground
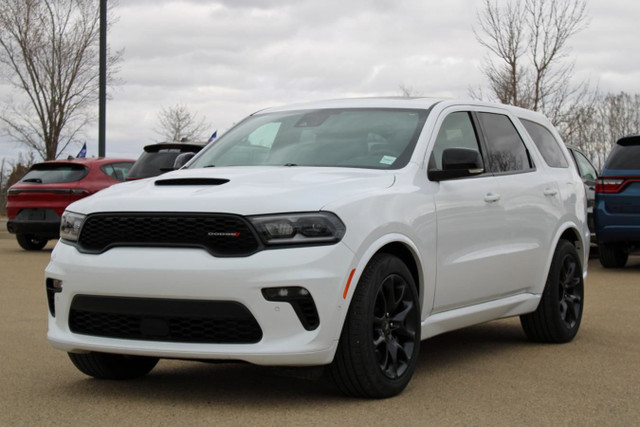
x=482, y=375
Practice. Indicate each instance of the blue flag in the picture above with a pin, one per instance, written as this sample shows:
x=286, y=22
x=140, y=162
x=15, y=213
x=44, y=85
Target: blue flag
x=214, y=135
x=83, y=151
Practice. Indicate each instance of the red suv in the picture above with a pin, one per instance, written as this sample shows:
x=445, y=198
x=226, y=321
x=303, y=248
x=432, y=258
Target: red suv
x=36, y=202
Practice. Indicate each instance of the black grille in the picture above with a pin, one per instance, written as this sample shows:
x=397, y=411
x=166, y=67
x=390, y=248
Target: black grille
x=221, y=234
x=169, y=320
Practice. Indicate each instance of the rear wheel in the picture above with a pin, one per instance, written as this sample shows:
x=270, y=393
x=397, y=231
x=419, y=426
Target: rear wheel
x=380, y=341
x=557, y=318
x=31, y=242
x=612, y=255
x=113, y=366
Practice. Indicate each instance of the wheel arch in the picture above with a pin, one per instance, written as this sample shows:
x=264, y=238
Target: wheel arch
x=408, y=257
x=402, y=247
x=570, y=233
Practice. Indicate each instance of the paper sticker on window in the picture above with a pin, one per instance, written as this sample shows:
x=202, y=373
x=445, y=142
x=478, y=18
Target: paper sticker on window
x=387, y=160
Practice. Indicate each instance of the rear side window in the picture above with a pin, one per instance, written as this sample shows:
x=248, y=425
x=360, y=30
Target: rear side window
x=587, y=171
x=625, y=154
x=546, y=143
x=54, y=173
x=507, y=152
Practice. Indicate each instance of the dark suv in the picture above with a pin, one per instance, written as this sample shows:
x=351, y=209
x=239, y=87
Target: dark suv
x=617, y=211
x=159, y=158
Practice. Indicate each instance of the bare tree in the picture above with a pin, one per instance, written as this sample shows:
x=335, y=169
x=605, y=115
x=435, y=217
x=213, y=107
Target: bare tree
x=408, y=91
x=10, y=173
x=598, y=124
x=177, y=123
x=528, y=45
x=49, y=54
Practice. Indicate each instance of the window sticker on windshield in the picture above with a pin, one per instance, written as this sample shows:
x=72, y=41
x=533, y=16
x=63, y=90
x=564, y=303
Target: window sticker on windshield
x=387, y=160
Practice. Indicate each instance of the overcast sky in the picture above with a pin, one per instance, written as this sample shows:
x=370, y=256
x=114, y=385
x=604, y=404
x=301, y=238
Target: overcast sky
x=225, y=59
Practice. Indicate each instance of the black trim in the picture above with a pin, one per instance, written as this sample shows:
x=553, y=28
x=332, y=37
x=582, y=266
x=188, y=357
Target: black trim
x=303, y=306
x=168, y=229
x=166, y=320
x=192, y=181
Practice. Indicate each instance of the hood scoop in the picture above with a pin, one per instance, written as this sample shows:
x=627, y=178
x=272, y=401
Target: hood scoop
x=191, y=181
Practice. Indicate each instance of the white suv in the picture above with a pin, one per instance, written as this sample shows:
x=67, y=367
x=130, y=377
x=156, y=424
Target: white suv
x=338, y=233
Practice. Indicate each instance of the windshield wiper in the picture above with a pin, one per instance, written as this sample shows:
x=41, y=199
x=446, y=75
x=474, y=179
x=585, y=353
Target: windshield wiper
x=209, y=166
x=36, y=180
x=290, y=164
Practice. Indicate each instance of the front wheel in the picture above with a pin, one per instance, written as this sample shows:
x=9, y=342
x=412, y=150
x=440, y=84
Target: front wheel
x=31, y=242
x=380, y=341
x=113, y=366
x=557, y=318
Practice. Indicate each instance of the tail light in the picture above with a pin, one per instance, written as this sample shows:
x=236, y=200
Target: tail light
x=611, y=185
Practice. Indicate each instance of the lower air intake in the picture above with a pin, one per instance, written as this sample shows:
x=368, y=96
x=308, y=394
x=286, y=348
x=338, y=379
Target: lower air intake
x=169, y=320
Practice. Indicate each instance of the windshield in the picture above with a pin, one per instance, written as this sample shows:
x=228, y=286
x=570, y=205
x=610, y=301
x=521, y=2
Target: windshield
x=364, y=138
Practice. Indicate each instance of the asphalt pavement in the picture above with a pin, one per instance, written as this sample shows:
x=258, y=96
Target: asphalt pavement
x=482, y=375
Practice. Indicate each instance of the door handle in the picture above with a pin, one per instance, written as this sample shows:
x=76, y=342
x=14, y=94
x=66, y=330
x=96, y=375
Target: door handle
x=550, y=192
x=491, y=197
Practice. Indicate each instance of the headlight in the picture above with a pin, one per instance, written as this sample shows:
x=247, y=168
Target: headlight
x=299, y=228
x=70, y=226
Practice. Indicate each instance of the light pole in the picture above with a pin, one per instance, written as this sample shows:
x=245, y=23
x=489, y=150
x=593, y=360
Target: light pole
x=102, y=110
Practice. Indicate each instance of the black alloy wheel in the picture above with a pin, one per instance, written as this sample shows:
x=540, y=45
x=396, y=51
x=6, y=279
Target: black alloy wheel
x=393, y=328
x=559, y=313
x=570, y=292
x=380, y=341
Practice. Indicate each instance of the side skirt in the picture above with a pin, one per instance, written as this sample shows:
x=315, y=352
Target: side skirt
x=451, y=320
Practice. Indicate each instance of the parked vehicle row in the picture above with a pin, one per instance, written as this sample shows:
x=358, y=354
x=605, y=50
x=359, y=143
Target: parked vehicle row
x=338, y=234
x=36, y=202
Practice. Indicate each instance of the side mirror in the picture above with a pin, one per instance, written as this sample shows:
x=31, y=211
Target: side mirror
x=182, y=160
x=458, y=163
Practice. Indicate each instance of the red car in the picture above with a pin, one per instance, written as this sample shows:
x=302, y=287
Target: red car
x=36, y=202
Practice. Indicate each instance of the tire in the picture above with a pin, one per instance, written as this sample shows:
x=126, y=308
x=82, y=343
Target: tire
x=557, y=318
x=612, y=256
x=380, y=340
x=31, y=242
x=113, y=366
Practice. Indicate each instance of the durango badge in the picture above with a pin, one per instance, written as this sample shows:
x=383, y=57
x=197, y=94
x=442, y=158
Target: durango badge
x=222, y=234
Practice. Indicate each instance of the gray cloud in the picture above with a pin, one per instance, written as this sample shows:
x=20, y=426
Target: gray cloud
x=225, y=59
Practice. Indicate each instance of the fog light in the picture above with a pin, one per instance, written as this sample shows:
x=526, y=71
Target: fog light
x=301, y=302
x=54, y=286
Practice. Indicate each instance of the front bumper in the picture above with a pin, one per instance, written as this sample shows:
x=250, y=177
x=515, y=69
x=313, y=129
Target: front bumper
x=616, y=227
x=193, y=274
x=44, y=223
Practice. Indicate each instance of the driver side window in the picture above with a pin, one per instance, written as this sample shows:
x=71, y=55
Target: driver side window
x=456, y=131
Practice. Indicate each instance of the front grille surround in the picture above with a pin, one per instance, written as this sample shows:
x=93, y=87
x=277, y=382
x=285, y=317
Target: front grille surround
x=222, y=235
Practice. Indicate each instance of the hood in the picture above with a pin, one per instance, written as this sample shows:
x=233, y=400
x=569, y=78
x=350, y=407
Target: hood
x=239, y=190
